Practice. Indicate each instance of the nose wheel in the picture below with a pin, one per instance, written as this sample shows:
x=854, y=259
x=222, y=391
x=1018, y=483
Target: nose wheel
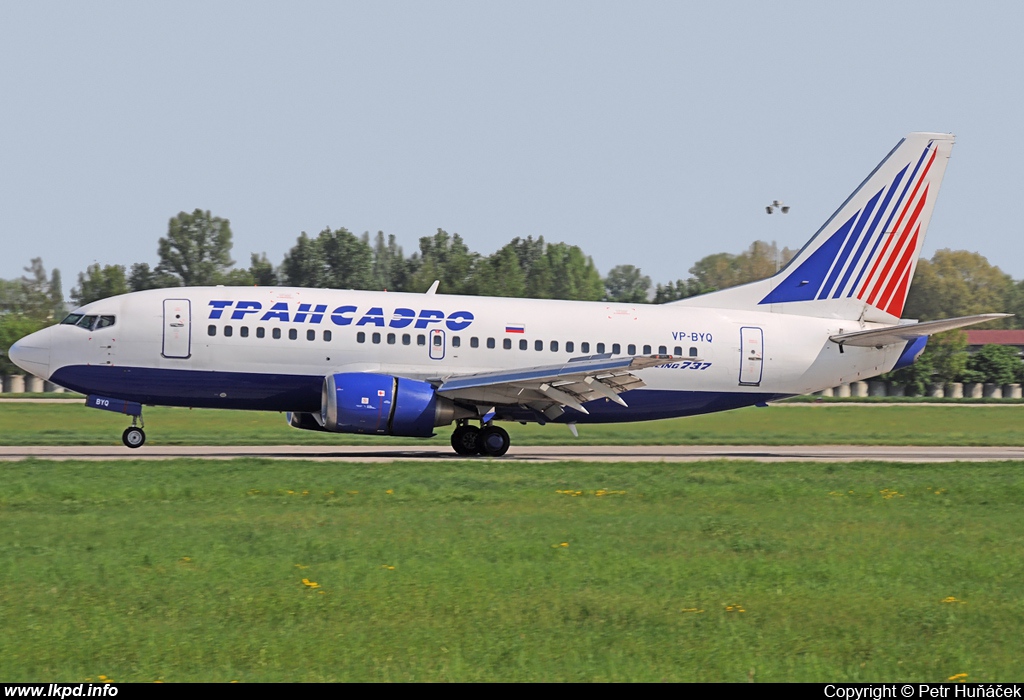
x=133, y=437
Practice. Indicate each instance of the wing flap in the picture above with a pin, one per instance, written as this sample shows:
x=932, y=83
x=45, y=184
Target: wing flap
x=551, y=388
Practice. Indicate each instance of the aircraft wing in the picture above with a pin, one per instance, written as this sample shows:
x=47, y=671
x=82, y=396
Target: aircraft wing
x=901, y=334
x=549, y=389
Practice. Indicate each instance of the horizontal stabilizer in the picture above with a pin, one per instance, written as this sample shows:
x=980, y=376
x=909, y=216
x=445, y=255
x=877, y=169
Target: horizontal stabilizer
x=892, y=335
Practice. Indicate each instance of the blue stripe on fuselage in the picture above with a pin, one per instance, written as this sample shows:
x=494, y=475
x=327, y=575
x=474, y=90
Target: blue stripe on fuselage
x=302, y=394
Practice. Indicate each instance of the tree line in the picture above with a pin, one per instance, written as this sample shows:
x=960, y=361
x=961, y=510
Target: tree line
x=196, y=251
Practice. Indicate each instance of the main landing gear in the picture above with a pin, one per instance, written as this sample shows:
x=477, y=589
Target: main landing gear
x=489, y=440
x=134, y=435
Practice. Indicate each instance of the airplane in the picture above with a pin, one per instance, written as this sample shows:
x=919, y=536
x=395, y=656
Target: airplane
x=403, y=364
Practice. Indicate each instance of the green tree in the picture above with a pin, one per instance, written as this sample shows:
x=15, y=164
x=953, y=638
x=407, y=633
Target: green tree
x=500, y=275
x=390, y=268
x=197, y=249
x=680, y=289
x=262, y=271
x=573, y=275
x=37, y=295
x=998, y=364
x=14, y=326
x=626, y=284
x=99, y=283
x=958, y=283
x=947, y=354
x=446, y=258
x=332, y=260
x=142, y=277
x=724, y=270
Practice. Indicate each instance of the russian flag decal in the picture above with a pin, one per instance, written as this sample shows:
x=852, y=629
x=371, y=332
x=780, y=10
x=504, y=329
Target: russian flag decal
x=515, y=328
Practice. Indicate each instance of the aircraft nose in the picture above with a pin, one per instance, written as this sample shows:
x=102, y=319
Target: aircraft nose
x=32, y=353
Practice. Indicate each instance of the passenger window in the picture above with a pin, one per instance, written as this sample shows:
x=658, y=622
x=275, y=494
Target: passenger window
x=523, y=344
x=662, y=350
x=292, y=334
x=406, y=339
x=693, y=352
x=554, y=346
x=490, y=343
x=276, y=333
x=647, y=349
x=538, y=345
x=456, y=341
x=260, y=332
x=360, y=337
x=600, y=348
x=211, y=330
x=327, y=336
x=228, y=331
x=570, y=346
x=616, y=348
x=244, y=331
x=474, y=342
x=376, y=338
x=677, y=350
x=507, y=343
x=630, y=349
x=392, y=338
x=438, y=340
x=310, y=334
x=421, y=339
x=584, y=347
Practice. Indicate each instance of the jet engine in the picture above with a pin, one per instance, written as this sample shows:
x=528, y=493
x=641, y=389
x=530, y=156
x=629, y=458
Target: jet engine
x=379, y=404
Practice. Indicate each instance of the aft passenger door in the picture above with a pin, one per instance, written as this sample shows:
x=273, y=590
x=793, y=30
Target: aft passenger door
x=751, y=355
x=177, y=328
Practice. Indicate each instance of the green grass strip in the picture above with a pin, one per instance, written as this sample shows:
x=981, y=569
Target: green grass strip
x=258, y=570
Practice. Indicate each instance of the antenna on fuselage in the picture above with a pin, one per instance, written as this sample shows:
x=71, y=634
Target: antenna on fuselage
x=433, y=287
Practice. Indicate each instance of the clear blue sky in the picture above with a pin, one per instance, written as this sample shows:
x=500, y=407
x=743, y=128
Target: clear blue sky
x=648, y=133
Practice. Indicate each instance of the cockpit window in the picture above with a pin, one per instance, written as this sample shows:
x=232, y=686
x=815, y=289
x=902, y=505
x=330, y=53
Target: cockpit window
x=89, y=323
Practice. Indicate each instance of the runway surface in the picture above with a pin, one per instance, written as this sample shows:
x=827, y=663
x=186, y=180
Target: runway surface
x=547, y=453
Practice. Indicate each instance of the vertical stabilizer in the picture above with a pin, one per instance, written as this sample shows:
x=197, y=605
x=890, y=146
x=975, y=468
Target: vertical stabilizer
x=859, y=265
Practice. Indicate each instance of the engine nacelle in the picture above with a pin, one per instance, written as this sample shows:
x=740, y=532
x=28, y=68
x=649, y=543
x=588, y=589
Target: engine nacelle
x=380, y=404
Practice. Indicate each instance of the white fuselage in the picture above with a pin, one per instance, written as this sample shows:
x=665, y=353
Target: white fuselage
x=269, y=348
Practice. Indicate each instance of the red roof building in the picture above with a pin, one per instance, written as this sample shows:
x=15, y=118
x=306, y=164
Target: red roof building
x=975, y=339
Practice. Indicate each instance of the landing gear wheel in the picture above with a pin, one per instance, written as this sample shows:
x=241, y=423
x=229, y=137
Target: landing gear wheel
x=494, y=441
x=466, y=440
x=133, y=437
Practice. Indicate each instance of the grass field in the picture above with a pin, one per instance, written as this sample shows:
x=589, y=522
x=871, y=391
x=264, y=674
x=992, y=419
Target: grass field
x=722, y=571
x=798, y=424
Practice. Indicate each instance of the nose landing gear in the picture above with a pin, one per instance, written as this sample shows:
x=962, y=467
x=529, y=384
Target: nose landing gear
x=489, y=440
x=134, y=435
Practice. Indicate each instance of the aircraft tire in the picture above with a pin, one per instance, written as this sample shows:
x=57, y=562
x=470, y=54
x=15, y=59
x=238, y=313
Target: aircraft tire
x=466, y=440
x=133, y=437
x=494, y=441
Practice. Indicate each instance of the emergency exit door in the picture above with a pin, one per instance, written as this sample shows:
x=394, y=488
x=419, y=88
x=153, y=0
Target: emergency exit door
x=751, y=355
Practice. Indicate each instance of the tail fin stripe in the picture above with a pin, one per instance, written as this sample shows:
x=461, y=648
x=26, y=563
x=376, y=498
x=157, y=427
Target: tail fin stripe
x=885, y=256
x=855, y=237
x=866, y=260
x=894, y=304
x=883, y=235
x=896, y=249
